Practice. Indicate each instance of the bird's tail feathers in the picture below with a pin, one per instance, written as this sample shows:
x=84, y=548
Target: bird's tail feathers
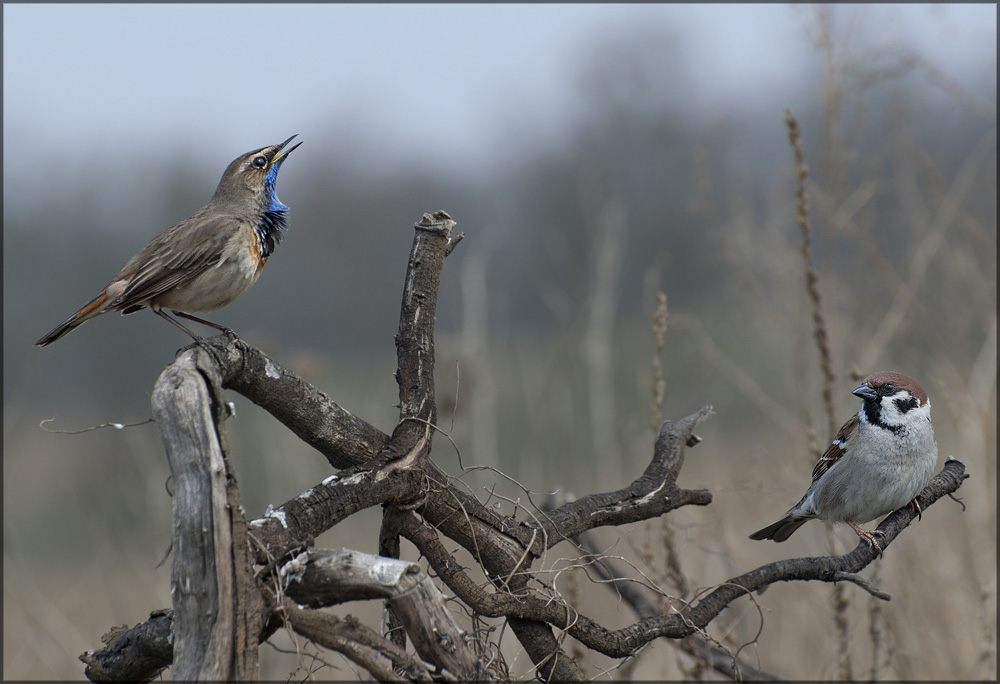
x=91, y=309
x=782, y=529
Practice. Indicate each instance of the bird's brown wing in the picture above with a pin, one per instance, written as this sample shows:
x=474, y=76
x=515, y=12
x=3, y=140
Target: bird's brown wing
x=178, y=255
x=836, y=448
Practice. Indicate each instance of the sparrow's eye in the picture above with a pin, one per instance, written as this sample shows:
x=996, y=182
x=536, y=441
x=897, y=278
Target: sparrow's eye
x=889, y=387
x=260, y=162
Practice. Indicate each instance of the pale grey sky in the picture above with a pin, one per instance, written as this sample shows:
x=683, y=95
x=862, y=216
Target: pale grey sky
x=134, y=79
x=82, y=76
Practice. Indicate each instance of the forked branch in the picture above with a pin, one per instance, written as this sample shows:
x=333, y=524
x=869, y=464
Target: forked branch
x=420, y=504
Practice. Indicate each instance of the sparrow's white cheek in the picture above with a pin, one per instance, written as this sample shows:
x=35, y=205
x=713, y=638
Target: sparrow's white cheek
x=893, y=414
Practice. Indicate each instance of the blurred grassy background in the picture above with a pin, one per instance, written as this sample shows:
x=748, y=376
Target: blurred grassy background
x=545, y=310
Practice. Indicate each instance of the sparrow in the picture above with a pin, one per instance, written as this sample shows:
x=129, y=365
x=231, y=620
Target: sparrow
x=878, y=462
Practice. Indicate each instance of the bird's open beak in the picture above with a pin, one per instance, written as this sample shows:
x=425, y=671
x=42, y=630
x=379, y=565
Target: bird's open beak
x=865, y=392
x=281, y=155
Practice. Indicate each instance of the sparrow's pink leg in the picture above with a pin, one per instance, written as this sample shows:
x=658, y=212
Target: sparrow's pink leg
x=868, y=536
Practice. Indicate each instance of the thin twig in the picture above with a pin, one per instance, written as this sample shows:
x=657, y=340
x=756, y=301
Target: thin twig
x=841, y=576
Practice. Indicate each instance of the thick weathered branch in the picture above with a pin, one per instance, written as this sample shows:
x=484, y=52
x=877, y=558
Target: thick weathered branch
x=389, y=547
x=653, y=494
x=138, y=654
x=319, y=579
x=343, y=438
x=457, y=514
x=336, y=498
x=202, y=580
x=346, y=441
x=357, y=642
x=415, y=339
x=552, y=664
x=325, y=578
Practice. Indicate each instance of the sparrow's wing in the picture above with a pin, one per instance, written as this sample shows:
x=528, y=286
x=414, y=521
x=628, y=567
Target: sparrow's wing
x=179, y=254
x=836, y=448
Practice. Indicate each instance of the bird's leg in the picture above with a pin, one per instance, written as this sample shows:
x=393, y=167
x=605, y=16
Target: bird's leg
x=159, y=312
x=868, y=536
x=916, y=507
x=198, y=340
x=210, y=324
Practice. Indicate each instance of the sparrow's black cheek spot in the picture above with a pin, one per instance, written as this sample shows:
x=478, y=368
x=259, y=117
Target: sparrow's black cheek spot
x=873, y=412
x=906, y=404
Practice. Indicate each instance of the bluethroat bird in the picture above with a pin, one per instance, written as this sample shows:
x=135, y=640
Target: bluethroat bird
x=204, y=262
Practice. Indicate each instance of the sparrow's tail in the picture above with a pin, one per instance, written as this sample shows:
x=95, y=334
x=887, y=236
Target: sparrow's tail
x=781, y=530
x=91, y=309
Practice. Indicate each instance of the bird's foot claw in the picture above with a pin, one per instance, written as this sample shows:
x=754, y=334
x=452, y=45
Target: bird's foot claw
x=869, y=536
x=916, y=507
x=212, y=351
x=198, y=342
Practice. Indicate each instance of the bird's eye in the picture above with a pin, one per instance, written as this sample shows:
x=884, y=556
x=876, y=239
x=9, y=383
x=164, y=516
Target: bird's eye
x=260, y=162
x=889, y=387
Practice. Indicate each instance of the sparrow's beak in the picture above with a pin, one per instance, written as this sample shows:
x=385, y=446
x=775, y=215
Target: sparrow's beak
x=865, y=392
x=281, y=155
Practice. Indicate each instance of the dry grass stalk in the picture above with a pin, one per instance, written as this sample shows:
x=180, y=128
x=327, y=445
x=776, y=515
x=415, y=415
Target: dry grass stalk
x=812, y=277
x=839, y=598
x=659, y=334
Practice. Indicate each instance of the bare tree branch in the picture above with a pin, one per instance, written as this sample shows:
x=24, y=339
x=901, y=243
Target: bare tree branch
x=214, y=574
x=138, y=654
x=202, y=579
x=650, y=496
x=638, y=598
x=623, y=642
x=325, y=578
x=359, y=643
